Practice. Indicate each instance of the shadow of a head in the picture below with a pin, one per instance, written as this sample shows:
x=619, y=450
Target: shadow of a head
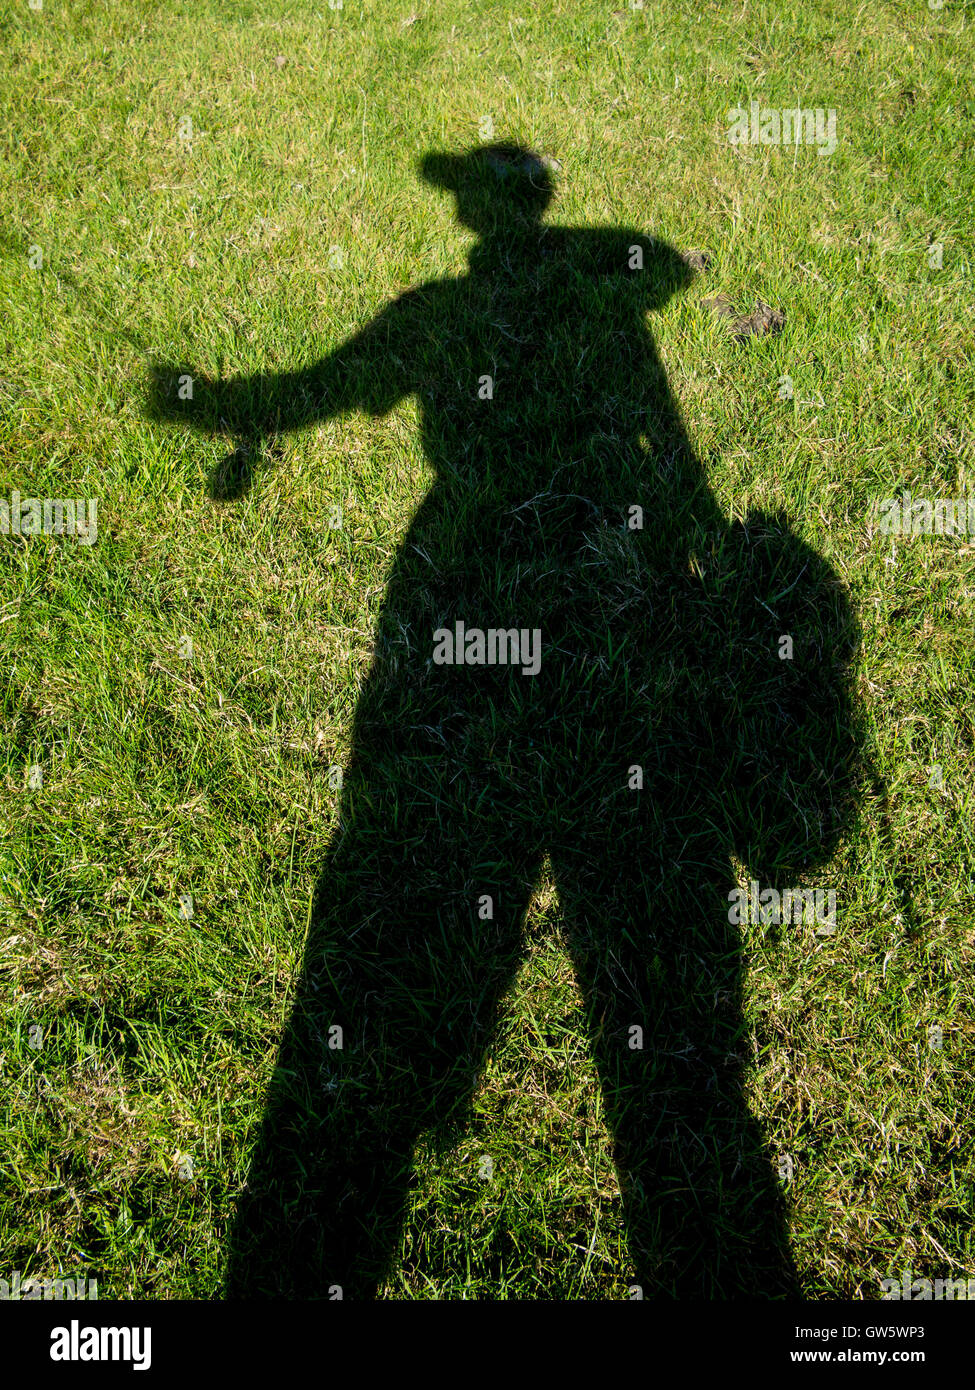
x=496, y=186
x=502, y=191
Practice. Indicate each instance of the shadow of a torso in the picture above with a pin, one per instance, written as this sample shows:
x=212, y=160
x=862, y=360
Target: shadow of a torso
x=566, y=504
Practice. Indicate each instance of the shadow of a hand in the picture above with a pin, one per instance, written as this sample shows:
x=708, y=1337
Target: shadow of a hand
x=179, y=393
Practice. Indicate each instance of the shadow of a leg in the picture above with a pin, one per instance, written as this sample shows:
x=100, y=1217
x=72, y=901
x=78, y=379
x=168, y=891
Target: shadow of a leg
x=703, y=1214
x=400, y=962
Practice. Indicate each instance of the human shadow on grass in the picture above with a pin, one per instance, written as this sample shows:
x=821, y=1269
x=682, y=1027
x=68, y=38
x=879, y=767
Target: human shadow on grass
x=666, y=743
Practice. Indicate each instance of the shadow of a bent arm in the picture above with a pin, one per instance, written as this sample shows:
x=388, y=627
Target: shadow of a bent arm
x=794, y=759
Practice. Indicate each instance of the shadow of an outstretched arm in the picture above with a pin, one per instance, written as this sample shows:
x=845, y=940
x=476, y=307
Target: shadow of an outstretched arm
x=365, y=373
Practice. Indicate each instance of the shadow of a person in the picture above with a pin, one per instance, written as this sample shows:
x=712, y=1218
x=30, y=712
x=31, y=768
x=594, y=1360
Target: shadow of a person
x=641, y=725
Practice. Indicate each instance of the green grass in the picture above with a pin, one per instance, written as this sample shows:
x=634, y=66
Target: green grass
x=164, y=776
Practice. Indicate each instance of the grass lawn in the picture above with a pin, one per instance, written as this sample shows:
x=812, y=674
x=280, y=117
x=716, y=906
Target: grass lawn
x=240, y=805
